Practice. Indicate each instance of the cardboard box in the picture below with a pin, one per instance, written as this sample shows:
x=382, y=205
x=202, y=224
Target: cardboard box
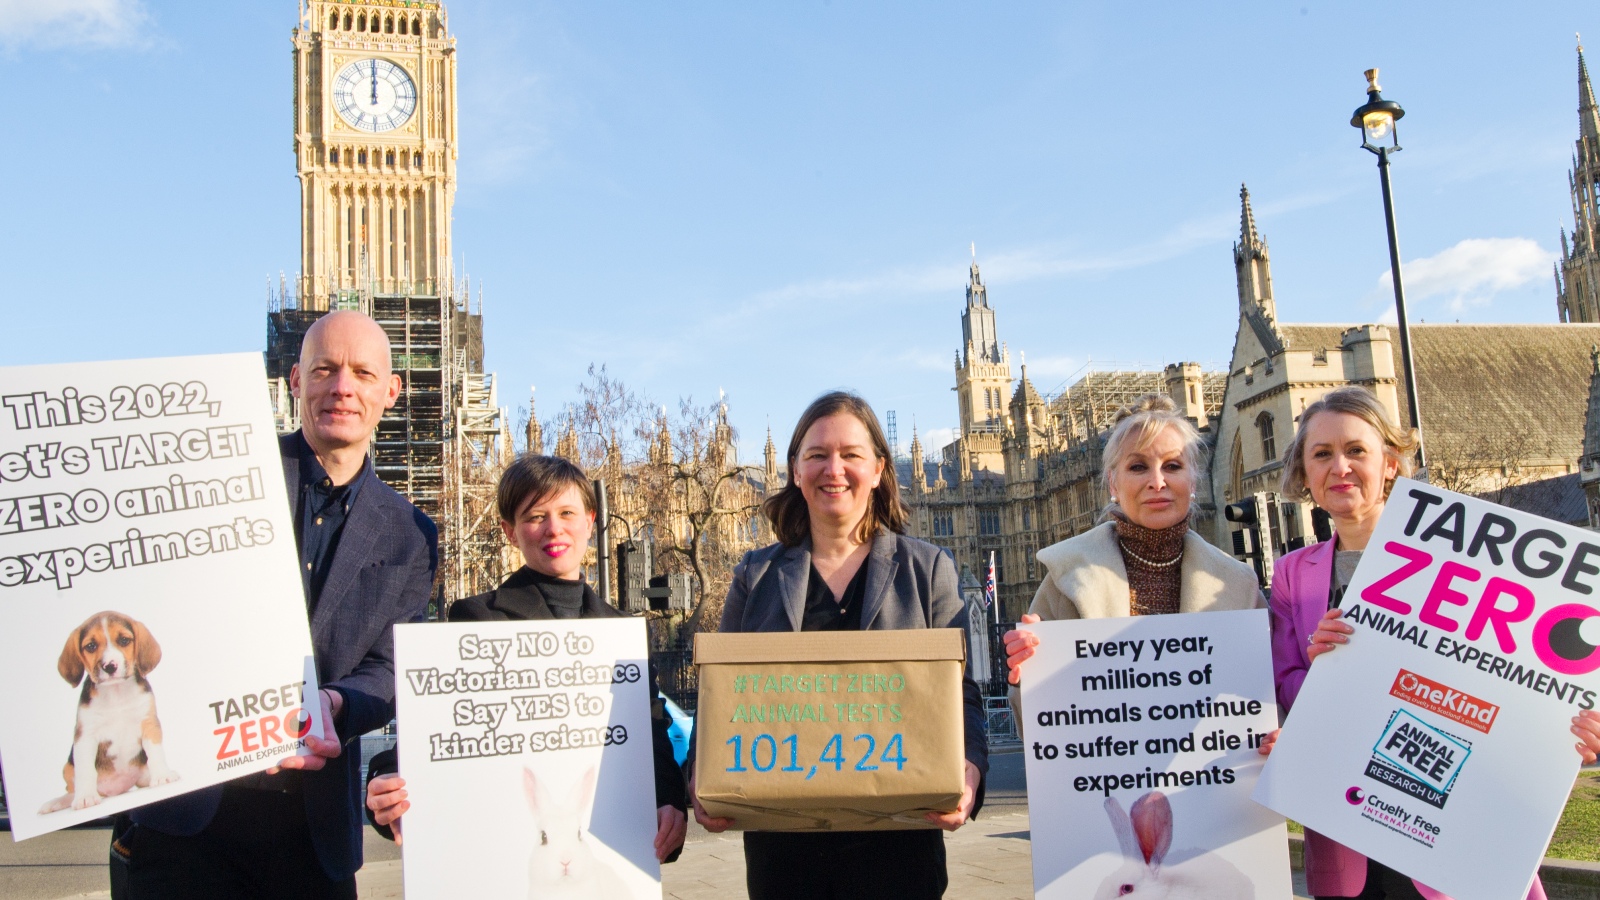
x=830, y=730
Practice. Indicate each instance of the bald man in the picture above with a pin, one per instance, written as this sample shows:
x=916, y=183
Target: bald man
x=367, y=561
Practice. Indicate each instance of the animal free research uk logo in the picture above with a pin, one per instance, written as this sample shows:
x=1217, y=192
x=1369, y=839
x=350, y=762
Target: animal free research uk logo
x=1418, y=759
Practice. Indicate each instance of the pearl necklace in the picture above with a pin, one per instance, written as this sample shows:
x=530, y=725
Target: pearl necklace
x=1152, y=564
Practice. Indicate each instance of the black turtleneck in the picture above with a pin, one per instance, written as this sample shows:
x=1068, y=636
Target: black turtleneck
x=563, y=596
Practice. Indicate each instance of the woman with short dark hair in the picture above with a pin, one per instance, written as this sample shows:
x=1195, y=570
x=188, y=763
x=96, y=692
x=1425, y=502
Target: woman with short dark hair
x=843, y=563
x=547, y=509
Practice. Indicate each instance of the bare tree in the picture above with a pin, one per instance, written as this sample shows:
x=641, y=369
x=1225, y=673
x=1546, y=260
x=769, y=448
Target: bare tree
x=671, y=480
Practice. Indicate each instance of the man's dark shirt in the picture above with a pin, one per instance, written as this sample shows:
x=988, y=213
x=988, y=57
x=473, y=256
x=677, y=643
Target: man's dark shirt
x=322, y=508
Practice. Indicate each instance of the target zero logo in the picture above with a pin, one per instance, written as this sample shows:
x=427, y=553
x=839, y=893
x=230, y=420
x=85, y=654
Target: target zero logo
x=1353, y=796
x=1559, y=645
x=1435, y=697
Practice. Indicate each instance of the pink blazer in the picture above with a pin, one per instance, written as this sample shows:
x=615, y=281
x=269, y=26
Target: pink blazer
x=1300, y=582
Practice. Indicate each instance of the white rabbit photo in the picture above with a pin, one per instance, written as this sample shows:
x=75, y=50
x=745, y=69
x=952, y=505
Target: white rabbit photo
x=562, y=864
x=1145, y=835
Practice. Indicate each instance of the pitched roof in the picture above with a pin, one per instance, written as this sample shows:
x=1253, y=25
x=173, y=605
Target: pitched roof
x=1314, y=337
x=1478, y=385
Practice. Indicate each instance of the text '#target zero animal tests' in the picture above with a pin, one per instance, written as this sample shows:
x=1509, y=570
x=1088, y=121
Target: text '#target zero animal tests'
x=1140, y=737
x=837, y=731
x=1436, y=741
x=142, y=514
x=526, y=751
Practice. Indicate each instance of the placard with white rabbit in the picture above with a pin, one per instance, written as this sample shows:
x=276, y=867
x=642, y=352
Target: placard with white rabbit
x=527, y=757
x=1141, y=737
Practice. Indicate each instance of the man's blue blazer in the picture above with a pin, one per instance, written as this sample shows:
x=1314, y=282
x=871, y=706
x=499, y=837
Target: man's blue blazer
x=382, y=573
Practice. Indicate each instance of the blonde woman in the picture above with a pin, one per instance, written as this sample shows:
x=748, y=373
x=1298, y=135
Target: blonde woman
x=1345, y=458
x=1142, y=559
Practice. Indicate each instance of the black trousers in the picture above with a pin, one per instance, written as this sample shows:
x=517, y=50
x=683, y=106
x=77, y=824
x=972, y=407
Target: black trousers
x=845, y=865
x=1384, y=883
x=257, y=846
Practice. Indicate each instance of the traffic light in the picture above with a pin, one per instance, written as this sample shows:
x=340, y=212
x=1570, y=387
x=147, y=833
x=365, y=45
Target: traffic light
x=1256, y=541
x=633, y=575
x=669, y=591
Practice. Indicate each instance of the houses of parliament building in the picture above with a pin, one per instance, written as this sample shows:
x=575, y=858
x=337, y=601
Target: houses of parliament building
x=1510, y=412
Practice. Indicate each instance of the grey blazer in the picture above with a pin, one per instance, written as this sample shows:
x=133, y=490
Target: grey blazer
x=910, y=584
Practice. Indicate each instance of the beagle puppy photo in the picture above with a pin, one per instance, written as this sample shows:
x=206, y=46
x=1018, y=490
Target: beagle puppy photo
x=118, y=733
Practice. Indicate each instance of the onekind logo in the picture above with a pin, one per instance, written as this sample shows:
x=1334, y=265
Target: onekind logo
x=1434, y=697
x=1418, y=759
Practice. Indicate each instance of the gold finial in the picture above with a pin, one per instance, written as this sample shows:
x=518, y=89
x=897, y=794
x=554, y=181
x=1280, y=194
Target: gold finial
x=1580, y=40
x=1372, y=80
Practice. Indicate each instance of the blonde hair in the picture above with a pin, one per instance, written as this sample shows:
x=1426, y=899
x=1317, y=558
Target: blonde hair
x=1399, y=444
x=1138, y=424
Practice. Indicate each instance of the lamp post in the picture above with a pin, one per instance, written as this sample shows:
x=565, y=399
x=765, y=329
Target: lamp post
x=1376, y=118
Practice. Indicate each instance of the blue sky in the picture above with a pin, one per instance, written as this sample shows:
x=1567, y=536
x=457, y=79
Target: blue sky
x=778, y=199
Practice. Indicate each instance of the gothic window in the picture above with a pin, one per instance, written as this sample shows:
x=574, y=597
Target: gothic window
x=402, y=24
x=1027, y=520
x=376, y=25
x=999, y=567
x=361, y=158
x=989, y=521
x=416, y=26
x=1194, y=394
x=988, y=401
x=1269, y=445
x=361, y=22
x=346, y=21
x=943, y=524
x=388, y=158
x=388, y=24
x=416, y=159
x=333, y=156
x=333, y=22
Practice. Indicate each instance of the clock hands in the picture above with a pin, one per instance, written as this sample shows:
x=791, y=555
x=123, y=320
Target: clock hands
x=374, y=82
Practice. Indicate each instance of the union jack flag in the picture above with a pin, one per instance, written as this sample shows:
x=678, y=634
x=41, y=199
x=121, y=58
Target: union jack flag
x=988, y=584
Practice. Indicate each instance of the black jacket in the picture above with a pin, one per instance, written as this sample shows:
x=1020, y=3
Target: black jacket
x=518, y=599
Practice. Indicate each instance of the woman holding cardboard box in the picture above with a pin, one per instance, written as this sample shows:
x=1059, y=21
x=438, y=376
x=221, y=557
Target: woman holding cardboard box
x=842, y=562
x=1143, y=559
x=1345, y=458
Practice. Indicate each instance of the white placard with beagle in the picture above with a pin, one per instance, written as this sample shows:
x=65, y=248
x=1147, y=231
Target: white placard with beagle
x=154, y=634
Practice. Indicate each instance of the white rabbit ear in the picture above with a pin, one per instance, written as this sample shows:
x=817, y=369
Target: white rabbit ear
x=1122, y=827
x=1152, y=824
x=583, y=794
x=531, y=789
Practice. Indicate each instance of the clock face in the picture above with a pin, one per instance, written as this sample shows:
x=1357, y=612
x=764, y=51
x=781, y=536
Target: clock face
x=374, y=95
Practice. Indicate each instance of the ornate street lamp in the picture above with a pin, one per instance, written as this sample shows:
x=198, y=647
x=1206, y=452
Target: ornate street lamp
x=1376, y=118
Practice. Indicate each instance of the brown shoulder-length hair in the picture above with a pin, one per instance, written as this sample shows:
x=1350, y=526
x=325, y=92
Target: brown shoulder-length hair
x=1399, y=444
x=791, y=521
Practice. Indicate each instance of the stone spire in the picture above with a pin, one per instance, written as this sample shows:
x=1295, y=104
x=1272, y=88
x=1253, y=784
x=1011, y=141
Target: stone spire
x=770, y=456
x=919, y=473
x=567, y=444
x=1252, y=265
x=661, y=447
x=1578, y=281
x=1588, y=110
x=535, y=436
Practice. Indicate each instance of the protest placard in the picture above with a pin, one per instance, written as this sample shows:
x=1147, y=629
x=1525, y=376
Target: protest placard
x=1437, y=740
x=155, y=635
x=1140, y=738
x=526, y=752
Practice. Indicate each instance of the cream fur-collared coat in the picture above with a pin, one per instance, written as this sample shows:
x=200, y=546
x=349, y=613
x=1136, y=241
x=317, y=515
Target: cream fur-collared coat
x=1086, y=578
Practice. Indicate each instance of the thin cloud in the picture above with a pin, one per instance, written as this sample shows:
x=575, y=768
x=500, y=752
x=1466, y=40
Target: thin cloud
x=1470, y=274
x=69, y=23
x=1045, y=261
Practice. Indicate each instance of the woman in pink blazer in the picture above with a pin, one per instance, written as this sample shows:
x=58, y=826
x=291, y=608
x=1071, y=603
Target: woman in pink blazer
x=1345, y=457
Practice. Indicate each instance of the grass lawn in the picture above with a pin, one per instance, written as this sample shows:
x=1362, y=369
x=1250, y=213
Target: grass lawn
x=1578, y=835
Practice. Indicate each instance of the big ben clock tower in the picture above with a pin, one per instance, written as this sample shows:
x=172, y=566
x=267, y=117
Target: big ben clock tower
x=375, y=155
x=375, y=146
